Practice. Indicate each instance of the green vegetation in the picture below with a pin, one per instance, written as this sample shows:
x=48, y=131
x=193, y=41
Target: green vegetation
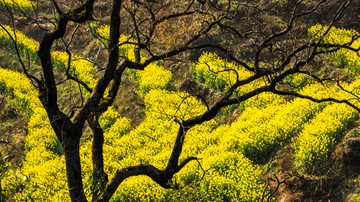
x=284, y=106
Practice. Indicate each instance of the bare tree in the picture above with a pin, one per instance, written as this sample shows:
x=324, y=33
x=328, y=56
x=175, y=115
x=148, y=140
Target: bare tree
x=269, y=50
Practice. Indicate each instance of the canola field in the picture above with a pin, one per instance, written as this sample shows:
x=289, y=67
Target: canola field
x=229, y=154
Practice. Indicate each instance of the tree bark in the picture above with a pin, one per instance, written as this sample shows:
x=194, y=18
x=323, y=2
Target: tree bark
x=71, y=144
x=100, y=178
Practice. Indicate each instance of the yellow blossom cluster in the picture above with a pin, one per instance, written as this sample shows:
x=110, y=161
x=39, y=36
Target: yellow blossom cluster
x=153, y=77
x=127, y=48
x=26, y=45
x=225, y=169
x=20, y=87
x=164, y=104
x=229, y=174
x=80, y=67
x=343, y=57
x=264, y=100
x=219, y=74
x=38, y=178
x=319, y=136
x=152, y=142
x=257, y=132
x=19, y=6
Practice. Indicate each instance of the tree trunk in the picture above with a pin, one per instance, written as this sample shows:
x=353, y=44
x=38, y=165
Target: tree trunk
x=100, y=178
x=73, y=168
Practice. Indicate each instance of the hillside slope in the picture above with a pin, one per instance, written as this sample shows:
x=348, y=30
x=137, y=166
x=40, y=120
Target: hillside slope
x=269, y=147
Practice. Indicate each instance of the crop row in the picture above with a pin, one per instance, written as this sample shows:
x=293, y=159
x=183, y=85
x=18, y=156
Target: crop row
x=80, y=67
x=23, y=7
x=226, y=151
x=343, y=58
x=153, y=142
x=318, y=137
x=42, y=146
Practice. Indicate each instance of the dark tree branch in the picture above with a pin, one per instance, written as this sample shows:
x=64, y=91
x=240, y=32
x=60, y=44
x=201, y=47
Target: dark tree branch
x=351, y=93
x=100, y=178
x=278, y=183
x=295, y=94
x=113, y=60
x=50, y=92
x=57, y=7
x=289, y=27
x=174, y=158
x=14, y=41
x=283, y=63
x=68, y=75
x=163, y=178
x=224, y=102
x=67, y=133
